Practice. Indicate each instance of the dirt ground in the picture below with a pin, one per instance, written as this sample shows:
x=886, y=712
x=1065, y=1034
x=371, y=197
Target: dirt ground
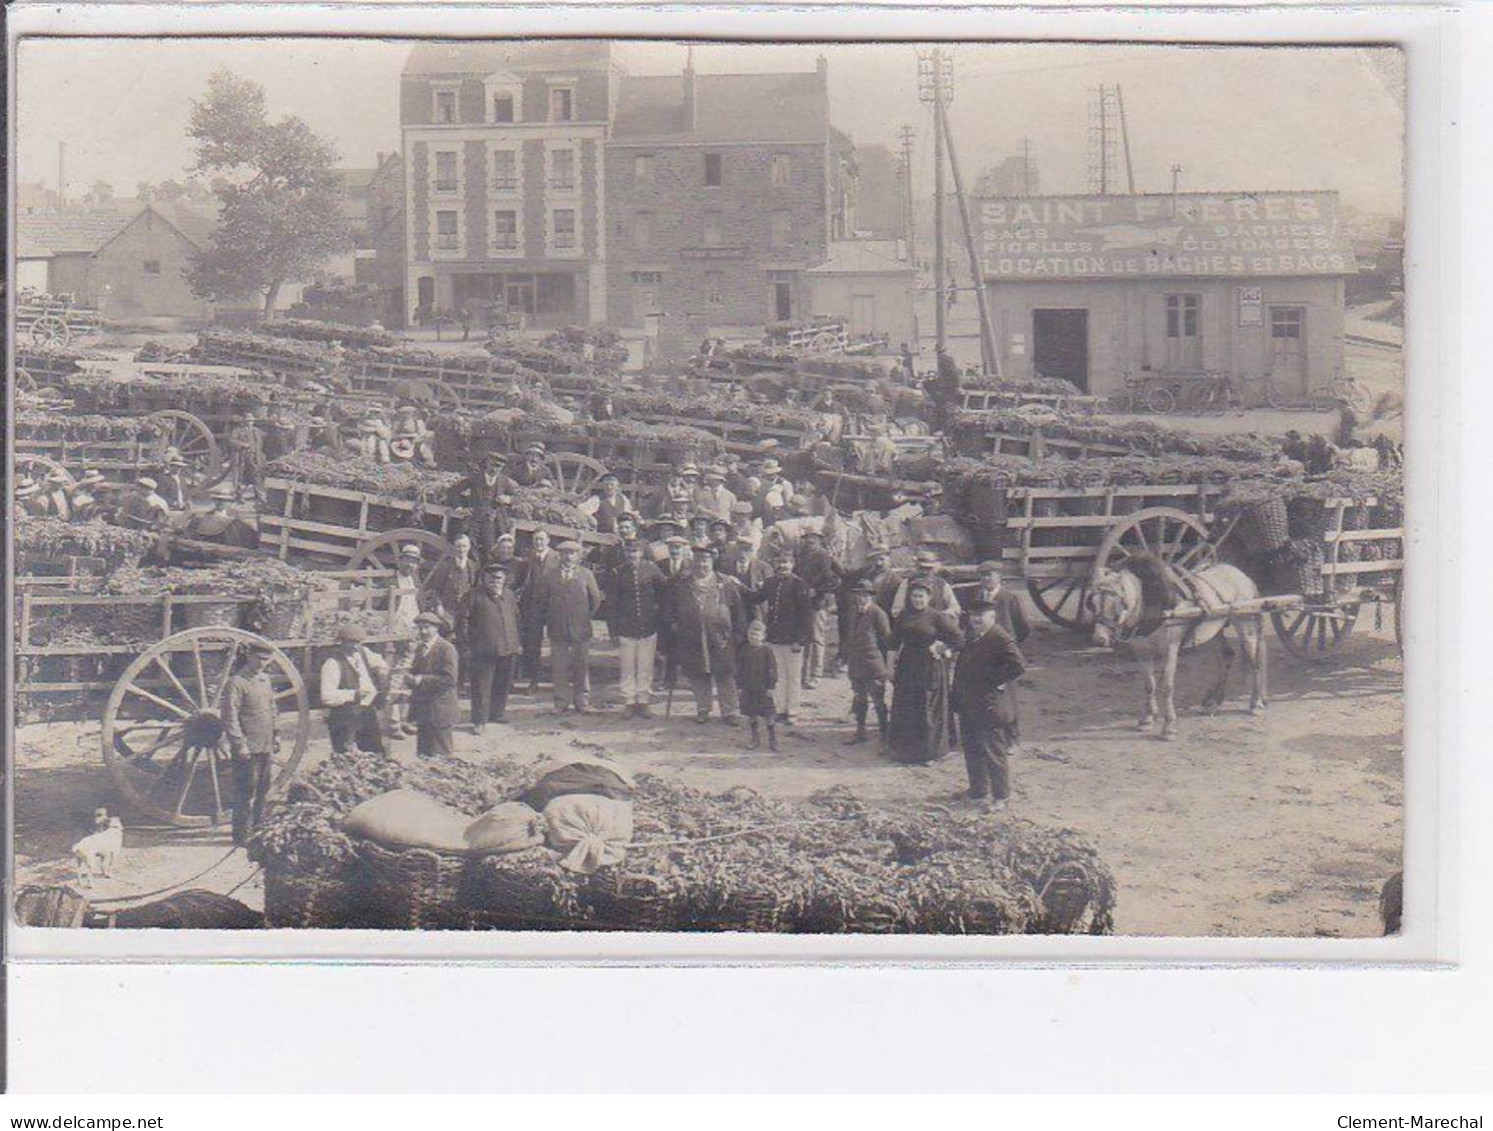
x=1284, y=824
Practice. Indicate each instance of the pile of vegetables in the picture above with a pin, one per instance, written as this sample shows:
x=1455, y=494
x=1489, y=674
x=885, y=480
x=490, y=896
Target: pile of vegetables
x=728, y=860
x=1023, y=386
x=783, y=417
x=308, y=330
x=399, y=480
x=969, y=429
x=38, y=360
x=55, y=538
x=202, y=393
x=235, y=347
x=40, y=424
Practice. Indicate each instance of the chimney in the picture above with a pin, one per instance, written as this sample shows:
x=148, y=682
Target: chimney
x=688, y=123
x=821, y=65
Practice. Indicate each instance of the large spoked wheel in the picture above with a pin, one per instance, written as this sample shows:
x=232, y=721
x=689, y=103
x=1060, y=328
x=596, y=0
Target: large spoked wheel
x=50, y=330
x=40, y=467
x=1160, y=399
x=1317, y=632
x=1176, y=537
x=176, y=428
x=163, y=737
x=383, y=552
x=1063, y=600
x=575, y=475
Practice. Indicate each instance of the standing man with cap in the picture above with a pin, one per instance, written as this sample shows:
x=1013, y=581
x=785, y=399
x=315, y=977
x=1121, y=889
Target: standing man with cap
x=744, y=523
x=867, y=643
x=569, y=599
x=449, y=590
x=876, y=573
x=608, y=504
x=488, y=492
x=247, y=708
x=775, y=495
x=709, y=624
x=787, y=607
x=495, y=640
x=530, y=577
x=143, y=509
x=351, y=681
x=406, y=599
x=749, y=570
x=822, y=575
x=1008, y=611
x=941, y=595
x=432, y=688
x=676, y=570
x=984, y=698
x=714, y=498
x=634, y=602
x=246, y=452
x=532, y=472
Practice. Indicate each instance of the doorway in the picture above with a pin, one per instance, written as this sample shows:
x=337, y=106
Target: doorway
x=425, y=298
x=1060, y=345
x=863, y=314
x=782, y=301
x=1184, y=343
x=1288, y=348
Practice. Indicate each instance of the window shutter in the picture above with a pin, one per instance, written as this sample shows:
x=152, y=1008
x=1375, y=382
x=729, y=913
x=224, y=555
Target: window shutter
x=1153, y=355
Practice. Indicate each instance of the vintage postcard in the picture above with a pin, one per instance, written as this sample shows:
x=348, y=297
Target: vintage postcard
x=584, y=485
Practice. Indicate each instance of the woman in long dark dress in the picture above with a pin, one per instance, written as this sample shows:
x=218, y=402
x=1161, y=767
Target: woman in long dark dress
x=919, y=727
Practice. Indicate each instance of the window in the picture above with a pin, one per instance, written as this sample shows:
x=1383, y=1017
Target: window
x=642, y=171
x=712, y=229
x=562, y=168
x=1181, y=316
x=445, y=231
x=782, y=228
x=565, y=227
x=505, y=229
x=562, y=104
x=502, y=108
x=445, y=107
x=713, y=169
x=445, y=171
x=642, y=229
x=782, y=170
x=152, y=266
x=1285, y=321
x=713, y=288
x=504, y=170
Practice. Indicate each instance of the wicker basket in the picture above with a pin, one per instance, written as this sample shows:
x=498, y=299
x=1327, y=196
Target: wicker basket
x=416, y=888
x=758, y=912
x=282, y=619
x=1265, y=526
x=621, y=901
x=524, y=891
x=327, y=899
x=1066, y=898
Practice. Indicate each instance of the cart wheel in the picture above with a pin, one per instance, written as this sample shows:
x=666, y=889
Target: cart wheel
x=163, y=736
x=383, y=552
x=1176, y=537
x=175, y=428
x=50, y=330
x=1160, y=399
x=1316, y=632
x=39, y=467
x=1063, y=600
x=574, y=474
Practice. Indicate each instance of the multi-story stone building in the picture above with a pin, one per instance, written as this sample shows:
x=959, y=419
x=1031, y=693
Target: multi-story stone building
x=504, y=160
x=717, y=194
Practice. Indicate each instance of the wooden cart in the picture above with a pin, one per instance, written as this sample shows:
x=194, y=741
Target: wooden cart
x=163, y=738
x=1325, y=622
x=54, y=320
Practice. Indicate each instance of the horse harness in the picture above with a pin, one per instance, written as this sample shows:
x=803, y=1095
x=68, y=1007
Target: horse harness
x=1191, y=588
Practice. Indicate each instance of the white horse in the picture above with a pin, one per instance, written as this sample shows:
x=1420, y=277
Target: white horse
x=1129, y=607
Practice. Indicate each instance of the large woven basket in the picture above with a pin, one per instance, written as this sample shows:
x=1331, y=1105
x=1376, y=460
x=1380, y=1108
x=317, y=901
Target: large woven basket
x=524, y=891
x=829, y=914
x=757, y=912
x=328, y=899
x=414, y=888
x=623, y=901
x=1265, y=526
x=214, y=614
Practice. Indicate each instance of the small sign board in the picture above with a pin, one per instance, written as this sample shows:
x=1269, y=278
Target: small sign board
x=1251, y=308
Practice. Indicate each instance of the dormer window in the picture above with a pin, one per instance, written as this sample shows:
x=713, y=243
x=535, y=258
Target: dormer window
x=502, y=108
x=562, y=104
x=505, y=103
x=445, y=113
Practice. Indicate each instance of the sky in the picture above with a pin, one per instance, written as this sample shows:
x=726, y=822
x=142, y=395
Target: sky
x=1234, y=119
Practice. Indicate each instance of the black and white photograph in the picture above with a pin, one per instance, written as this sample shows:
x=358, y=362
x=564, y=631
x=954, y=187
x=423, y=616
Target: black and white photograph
x=643, y=485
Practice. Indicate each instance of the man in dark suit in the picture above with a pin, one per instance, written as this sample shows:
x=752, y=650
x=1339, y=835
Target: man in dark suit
x=1008, y=611
x=432, y=686
x=984, y=698
x=568, y=601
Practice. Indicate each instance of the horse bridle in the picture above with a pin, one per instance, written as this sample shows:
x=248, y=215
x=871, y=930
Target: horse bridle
x=1116, y=628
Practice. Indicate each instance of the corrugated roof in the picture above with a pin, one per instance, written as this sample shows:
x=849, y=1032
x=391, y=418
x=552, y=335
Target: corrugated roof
x=483, y=57
x=791, y=107
x=862, y=257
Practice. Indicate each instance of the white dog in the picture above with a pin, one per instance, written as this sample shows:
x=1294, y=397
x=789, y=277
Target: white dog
x=94, y=854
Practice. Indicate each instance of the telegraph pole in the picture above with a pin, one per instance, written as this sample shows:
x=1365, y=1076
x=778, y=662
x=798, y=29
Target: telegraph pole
x=1176, y=182
x=990, y=360
x=910, y=227
x=1125, y=138
x=1026, y=166
x=936, y=85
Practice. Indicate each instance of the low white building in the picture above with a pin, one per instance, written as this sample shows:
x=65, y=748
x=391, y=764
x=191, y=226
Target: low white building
x=867, y=285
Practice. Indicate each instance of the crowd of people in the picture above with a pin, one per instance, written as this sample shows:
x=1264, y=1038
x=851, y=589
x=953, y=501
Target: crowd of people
x=694, y=610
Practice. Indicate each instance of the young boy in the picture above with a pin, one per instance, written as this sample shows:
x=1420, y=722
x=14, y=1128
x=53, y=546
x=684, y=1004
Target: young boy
x=756, y=676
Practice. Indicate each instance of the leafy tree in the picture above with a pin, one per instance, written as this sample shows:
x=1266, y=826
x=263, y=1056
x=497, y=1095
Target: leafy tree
x=169, y=190
x=99, y=195
x=280, y=206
